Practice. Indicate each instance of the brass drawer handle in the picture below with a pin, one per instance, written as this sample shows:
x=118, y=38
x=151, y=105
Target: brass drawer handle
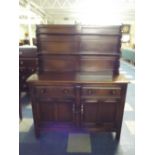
x=43, y=91
x=73, y=108
x=90, y=92
x=65, y=91
x=113, y=92
x=82, y=109
x=111, y=100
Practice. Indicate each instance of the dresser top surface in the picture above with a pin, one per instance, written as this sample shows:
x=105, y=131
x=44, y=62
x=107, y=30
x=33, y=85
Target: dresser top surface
x=74, y=78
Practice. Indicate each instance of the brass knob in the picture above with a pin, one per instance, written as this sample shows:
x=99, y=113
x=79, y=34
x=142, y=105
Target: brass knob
x=66, y=91
x=43, y=91
x=82, y=109
x=113, y=92
x=73, y=108
x=90, y=92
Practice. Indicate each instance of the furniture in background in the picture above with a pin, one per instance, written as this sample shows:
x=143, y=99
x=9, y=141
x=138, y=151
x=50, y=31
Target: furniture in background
x=128, y=55
x=78, y=83
x=27, y=66
x=23, y=42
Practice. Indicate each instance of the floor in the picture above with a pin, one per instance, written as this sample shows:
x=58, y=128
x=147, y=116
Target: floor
x=64, y=143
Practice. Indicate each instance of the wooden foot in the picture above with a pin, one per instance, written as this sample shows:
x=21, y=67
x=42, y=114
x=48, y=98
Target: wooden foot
x=37, y=134
x=118, y=136
x=20, y=112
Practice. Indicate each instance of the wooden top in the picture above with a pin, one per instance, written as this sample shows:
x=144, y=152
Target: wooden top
x=78, y=29
x=74, y=78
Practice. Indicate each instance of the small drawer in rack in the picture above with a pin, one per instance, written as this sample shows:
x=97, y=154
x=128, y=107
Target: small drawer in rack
x=101, y=91
x=54, y=91
x=29, y=63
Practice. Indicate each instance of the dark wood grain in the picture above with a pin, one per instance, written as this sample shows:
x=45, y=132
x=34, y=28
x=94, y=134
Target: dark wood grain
x=78, y=83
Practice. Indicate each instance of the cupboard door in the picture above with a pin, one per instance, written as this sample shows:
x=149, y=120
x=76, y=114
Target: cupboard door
x=107, y=110
x=98, y=112
x=89, y=110
x=56, y=111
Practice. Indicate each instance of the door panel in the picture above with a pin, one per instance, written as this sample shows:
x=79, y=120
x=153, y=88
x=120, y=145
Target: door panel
x=99, y=112
x=56, y=111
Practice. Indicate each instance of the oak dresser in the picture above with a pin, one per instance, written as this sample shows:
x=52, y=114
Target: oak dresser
x=78, y=85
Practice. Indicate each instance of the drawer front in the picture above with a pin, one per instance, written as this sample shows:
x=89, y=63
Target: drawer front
x=26, y=71
x=28, y=63
x=51, y=92
x=101, y=91
x=27, y=54
x=99, y=111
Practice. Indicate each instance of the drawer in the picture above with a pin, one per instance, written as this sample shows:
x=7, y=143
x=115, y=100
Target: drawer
x=28, y=63
x=101, y=91
x=44, y=93
x=27, y=52
x=23, y=70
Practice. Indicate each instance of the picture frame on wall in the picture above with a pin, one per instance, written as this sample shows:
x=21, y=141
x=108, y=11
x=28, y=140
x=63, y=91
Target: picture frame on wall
x=125, y=33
